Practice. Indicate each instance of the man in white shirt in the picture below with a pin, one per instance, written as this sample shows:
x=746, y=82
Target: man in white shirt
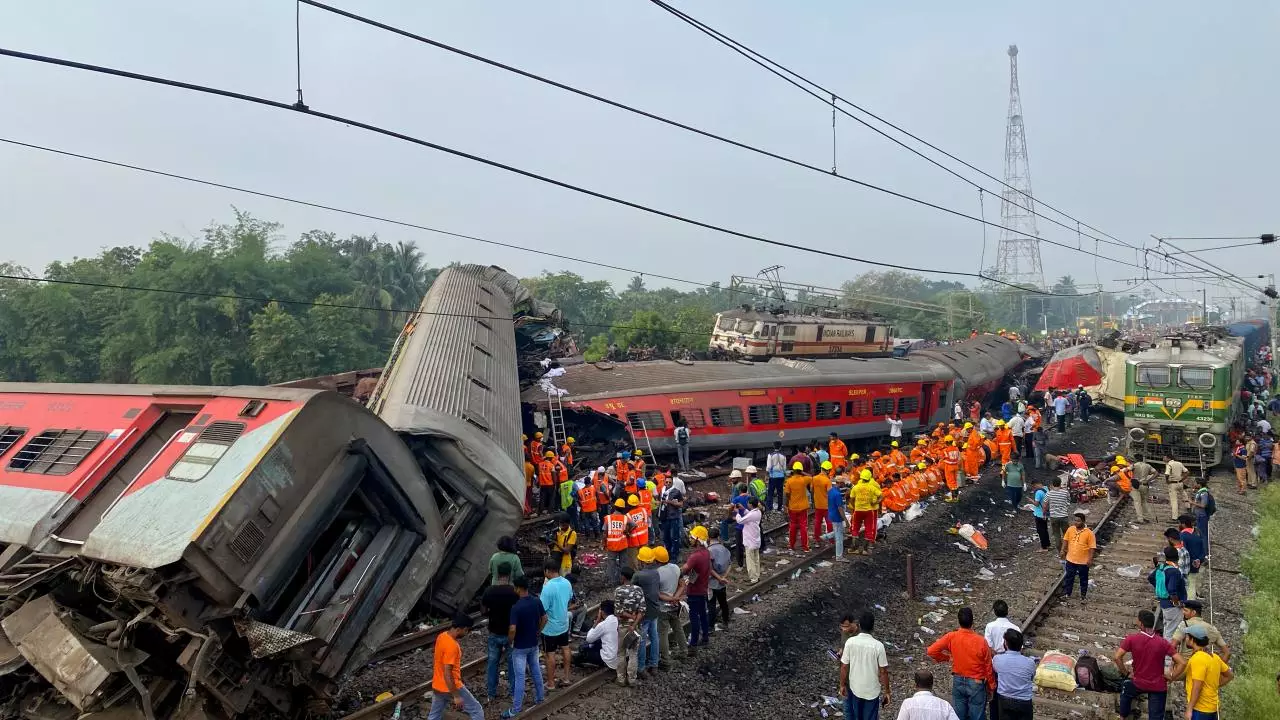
x=957, y=412
x=895, y=426
x=864, y=672
x=987, y=425
x=601, y=645
x=1264, y=426
x=994, y=634
x=924, y=705
x=1017, y=426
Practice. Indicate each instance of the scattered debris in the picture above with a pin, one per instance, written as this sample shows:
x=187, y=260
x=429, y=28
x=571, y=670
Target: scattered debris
x=985, y=574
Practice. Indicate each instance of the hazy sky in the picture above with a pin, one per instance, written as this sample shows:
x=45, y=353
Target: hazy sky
x=1142, y=117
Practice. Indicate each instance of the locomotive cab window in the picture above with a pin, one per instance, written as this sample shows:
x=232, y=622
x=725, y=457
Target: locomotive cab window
x=726, y=324
x=763, y=414
x=829, y=410
x=726, y=416
x=1199, y=378
x=796, y=412
x=1152, y=375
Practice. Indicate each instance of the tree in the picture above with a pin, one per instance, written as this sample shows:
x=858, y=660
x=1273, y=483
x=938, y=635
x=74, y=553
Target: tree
x=645, y=328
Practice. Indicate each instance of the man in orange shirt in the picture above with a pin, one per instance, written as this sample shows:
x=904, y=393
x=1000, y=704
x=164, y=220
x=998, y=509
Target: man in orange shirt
x=951, y=468
x=839, y=453
x=796, y=492
x=972, y=679
x=446, y=682
x=820, y=486
x=547, y=474
x=1004, y=441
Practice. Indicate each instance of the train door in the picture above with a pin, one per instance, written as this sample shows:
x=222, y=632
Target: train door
x=927, y=392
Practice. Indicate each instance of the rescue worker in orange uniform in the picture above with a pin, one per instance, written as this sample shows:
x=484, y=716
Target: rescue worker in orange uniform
x=839, y=453
x=951, y=468
x=547, y=483
x=971, y=462
x=918, y=452
x=638, y=463
x=645, y=493
x=820, y=485
x=796, y=492
x=638, y=535
x=939, y=432
x=566, y=452
x=1004, y=441
x=897, y=460
x=535, y=446
x=588, y=506
x=617, y=531
x=530, y=470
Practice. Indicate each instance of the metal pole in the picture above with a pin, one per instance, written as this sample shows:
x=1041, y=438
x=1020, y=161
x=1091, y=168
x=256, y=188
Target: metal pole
x=1204, y=306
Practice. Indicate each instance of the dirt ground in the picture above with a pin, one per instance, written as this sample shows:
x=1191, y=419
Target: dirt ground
x=774, y=661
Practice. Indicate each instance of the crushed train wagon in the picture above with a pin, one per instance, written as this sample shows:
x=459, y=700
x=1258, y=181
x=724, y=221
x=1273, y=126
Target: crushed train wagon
x=451, y=389
x=193, y=552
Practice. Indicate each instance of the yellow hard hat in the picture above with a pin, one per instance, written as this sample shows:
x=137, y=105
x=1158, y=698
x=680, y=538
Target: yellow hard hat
x=699, y=532
x=855, y=456
x=968, y=426
x=826, y=464
x=949, y=438
x=639, y=453
x=797, y=466
x=893, y=444
x=537, y=436
x=865, y=474
x=922, y=441
x=999, y=423
x=524, y=437
x=549, y=454
x=633, y=501
x=921, y=466
x=660, y=554
x=619, y=503
x=569, y=440
x=1115, y=468
x=1121, y=461
x=645, y=554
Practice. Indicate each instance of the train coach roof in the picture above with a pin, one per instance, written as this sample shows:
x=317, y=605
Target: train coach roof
x=256, y=392
x=1220, y=354
x=602, y=380
x=793, y=319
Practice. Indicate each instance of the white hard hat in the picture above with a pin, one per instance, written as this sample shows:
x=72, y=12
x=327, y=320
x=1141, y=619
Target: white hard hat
x=751, y=470
x=735, y=474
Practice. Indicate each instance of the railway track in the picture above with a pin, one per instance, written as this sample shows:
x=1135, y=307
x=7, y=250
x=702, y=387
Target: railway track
x=1109, y=615
x=475, y=668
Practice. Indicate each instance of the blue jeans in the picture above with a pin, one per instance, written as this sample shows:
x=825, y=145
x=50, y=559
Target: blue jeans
x=1202, y=524
x=774, y=490
x=969, y=698
x=497, y=644
x=671, y=537
x=837, y=530
x=855, y=708
x=590, y=522
x=1074, y=570
x=1155, y=700
x=699, y=621
x=649, y=645
x=470, y=705
x=526, y=664
x=1197, y=715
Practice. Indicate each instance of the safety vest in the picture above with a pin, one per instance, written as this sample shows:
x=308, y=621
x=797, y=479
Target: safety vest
x=897, y=459
x=535, y=448
x=631, y=483
x=587, y=498
x=951, y=457
x=1124, y=480
x=562, y=472
x=646, y=500
x=546, y=473
x=566, y=452
x=640, y=533
x=623, y=470
x=640, y=467
x=615, y=532
x=758, y=489
x=566, y=494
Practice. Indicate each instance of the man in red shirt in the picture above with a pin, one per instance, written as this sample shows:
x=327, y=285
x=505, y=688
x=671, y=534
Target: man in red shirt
x=446, y=681
x=972, y=680
x=1147, y=675
x=698, y=568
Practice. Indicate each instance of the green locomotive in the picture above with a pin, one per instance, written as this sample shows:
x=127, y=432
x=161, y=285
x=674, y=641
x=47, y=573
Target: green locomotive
x=1181, y=398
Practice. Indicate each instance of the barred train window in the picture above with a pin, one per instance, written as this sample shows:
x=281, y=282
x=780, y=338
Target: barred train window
x=55, y=452
x=726, y=416
x=829, y=410
x=763, y=414
x=883, y=406
x=908, y=405
x=797, y=412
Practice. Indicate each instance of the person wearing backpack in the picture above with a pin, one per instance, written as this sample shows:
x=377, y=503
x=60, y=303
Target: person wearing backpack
x=682, y=444
x=1171, y=590
x=1145, y=674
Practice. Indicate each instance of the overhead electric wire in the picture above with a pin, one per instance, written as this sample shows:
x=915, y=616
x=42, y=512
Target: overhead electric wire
x=782, y=71
x=1219, y=270
x=653, y=116
x=100, y=69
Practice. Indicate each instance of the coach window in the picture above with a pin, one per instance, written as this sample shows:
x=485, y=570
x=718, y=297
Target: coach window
x=855, y=408
x=763, y=414
x=797, y=412
x=55, y=452
x=209, y=447
x=646, y=420
x=10, y=435
x=693, y=417
x=829, y=410
x=1198, y=378
x=1152, y=375
x=883, y=406
x=727, y=416
x=908, y=405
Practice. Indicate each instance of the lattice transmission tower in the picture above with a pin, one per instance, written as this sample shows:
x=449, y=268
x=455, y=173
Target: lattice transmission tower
x=1018, y=252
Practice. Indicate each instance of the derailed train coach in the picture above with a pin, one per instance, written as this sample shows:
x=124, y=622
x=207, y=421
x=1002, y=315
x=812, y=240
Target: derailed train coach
x=194, y=552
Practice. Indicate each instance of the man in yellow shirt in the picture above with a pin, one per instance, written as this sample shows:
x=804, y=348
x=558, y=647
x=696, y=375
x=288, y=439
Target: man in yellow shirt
x=1206, y=674
x=796, y=492
x=865, y=496
x=820, y=485
x=1078, y=546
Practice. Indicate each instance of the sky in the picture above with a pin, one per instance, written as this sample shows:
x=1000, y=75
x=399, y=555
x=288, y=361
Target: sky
x=1141, y=118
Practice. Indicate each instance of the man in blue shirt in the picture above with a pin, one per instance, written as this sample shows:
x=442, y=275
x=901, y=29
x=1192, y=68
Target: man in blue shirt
x=1015, y=678
x=835, y=513
x=556, y=594
x=1171, y=591
x=1038, y=495
x=1060, y=409
x=1194, y=543
x=527, y=619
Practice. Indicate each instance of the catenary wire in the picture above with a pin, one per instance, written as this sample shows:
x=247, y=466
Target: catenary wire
x=782, y=71
x=100, y=69
x=668, y=121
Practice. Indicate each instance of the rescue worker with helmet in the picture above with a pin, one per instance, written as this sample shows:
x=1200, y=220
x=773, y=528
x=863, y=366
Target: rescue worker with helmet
x=638, y=535
x=535, y=446
x=897, y=461
x=617, y=534
x=588, y=508
x=796, y=493
x=819, y=486
x=865, y=497
x=1004, y=441
x=530, y=471
x=951, y=468
x=566, y=452
x=547, y=473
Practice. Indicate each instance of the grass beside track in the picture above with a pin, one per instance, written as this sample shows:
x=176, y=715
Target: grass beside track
x=1253, y=694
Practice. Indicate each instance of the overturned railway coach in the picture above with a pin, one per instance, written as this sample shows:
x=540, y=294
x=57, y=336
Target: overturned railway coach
x=745, y=405
x=196, y=552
